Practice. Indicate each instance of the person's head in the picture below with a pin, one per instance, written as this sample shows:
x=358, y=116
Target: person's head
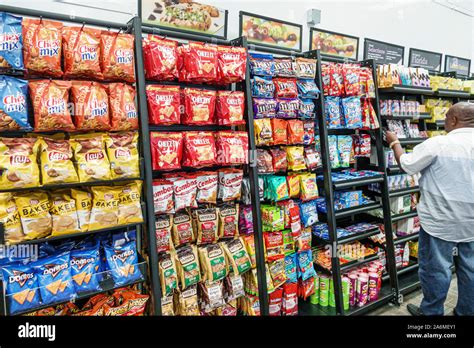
x=460, y=115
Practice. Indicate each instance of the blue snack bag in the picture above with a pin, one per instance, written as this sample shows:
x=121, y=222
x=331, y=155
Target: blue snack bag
x=85, y=263
x=262, y=64
x=11, y=40
x=333, y=112
x=54, y=278
x=122, y=262
x=307, y=89
x=305, y=265
x=352, y=112
x=291, y=268
x=13, y=104
x=262, y=87
x=309, y=213
x=306, y=109
x=21, y=287
x=333, y=151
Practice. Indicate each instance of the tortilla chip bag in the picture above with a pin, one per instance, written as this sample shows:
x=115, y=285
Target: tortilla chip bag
x=91, y=159
x=42, y=47
x=123, y=111
x=117, y=61
x=129, y=206
x=10, y=219
x=56, y=161
x=34, y=214
x=91, y=105
x=64, y=214
x=122, y=150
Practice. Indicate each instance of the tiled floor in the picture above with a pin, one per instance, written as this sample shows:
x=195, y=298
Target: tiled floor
x=415, y=298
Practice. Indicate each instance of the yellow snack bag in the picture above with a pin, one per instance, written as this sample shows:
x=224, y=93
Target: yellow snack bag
x=63, y=211
x=10, y=218
x=91, y=159
x=122, y=149
x=130, y=208
x=293, y=183
x=83, y=200
x=263, y=131
x=56, y=161
x=309, y=187
x=295, y=158
x=105, y=207
x=34, y=214
x=18, y=165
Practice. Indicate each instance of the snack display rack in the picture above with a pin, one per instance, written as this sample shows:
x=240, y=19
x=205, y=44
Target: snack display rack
x=107, y=284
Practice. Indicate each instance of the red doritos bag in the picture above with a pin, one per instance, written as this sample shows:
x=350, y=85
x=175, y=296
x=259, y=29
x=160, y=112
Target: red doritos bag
x=160, y=57
x=232, y=147
x=231, y=64
x=200, y=62
x=117, y=60
x=123, y=111
x=163, y=104
x=199, y=149
x=230, y=108
x=166, y=150
x=91, y=105
x=199, y=106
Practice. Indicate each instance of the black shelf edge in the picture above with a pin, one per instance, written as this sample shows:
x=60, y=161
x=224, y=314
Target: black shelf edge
x=359, y=236
x=385, y=297
x=186, y=128
x=407, y=238
x=411, y=141
x=413, y=266
x=450, y=93
x=188, y=85
x=421, y=116
x=341, y=131
x=73, y=184
x=398, y=217
x=356, y=210
x=394, y=170
x=338, y=185
x=408, y=282
x=356, y=263
x=403, y=191
x=407, y=90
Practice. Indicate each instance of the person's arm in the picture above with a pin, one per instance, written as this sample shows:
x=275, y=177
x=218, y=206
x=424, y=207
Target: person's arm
x=414, y=162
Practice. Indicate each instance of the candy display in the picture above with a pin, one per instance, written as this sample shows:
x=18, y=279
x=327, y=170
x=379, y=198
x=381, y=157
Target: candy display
x=393, y=107
x=393, y=74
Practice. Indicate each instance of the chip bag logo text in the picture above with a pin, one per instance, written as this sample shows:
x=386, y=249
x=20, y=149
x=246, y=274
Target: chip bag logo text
x=20, y=277
x=9, y=41
x=205, y=54
x=19, y=159
x=80, y=263
x=122, y=153
x=48, y=48
x=201, y=100
x=130, y=110
x=54, y=270
x=88, y=52
x=98, y=108
x=57, y=156
x=94, y=156
x=12, y=103
x=123, y=256
x=55, y=105
x=123, y=56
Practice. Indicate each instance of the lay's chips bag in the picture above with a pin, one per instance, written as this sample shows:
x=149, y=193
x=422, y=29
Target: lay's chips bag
x=34, y=214
x=64, y=214
x=10, y=218
x=91, y=159
x=11, y=41
x=122, y=262
x=83, y=207
x=105, y=205
x=13, y=103
x=122, y=150
x=56, y=161
x=85, y=264
x=130, y=209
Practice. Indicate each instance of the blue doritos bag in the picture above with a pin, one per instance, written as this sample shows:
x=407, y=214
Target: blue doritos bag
x=54, y=278
x=21, y=287
x=13, y=98
x=11, y=40
x=85, y=264
x=122, y=262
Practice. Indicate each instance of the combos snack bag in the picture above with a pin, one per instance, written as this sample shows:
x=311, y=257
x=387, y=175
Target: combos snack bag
x=163, y=104
x=200, y=62
x=160, y=58
x=122, y=150
x=122, y=261
x=10, y=219
x=91, y=160
x=81, y=52
x=129, y=206
x=185, y=192
x=207, y=183
x=63, y=211
x=230, y=184
x=231, y=64
x=166, y=150
x=12, y=41
x=50, y=100
x=116, y=60
x=91, y=105
x=13, y=106
x=199, y=106
x=230, y=108
x=83, y=201
x=104, y=212
x=163, y=196
x=56, y=161
x=21, y=287
x=42, y=47
x=123, y=112
x=199, y=149
x=18, y=164
x=232, y=147
x=85, y=263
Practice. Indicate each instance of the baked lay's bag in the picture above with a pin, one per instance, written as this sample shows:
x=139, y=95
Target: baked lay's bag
x=129, y=208
x=18, y=164
x=56, y=161
x=160, y=58
x=122, y=261
x=166, y=150
x=54, y=278
x=34, y=214
x=199, y=106
x=13, y=104
x=117, y=61
x=123, y=111
x=231, y=64
x=81, y=48
x=64, y=214
x=91, y=159
x=50, y=105
x=84, y=264
x=10, y=219
x=11, y=40
x=83, y=201
x=21, y=287
x=105, y=207
x=163, y=104
x=199, y=149
x=91, y=105
x=122, y=150
x=42, y=47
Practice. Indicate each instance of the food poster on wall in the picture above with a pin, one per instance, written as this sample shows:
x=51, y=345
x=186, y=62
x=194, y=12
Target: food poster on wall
x=334, y=44
x=184, y=15
x=460, y=65
x=265, y=31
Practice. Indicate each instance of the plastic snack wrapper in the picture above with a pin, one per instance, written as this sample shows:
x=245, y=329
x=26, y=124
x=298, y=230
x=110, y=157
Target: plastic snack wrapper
x=91, y=105
x=305, y=265
x=199, y=149
x=230, y=108
x=163, y=227
x=309, y=187
x=163, y=196
x=264, y=161
x=230, y=184
x=291, y=268
x=245, y=195
x=122, y=150
x=237, y=255
x=228, y=220
x=272, y=218
x=206, y=222
x=333, y=112
x=352, y=112
x=10, y=219
x=295, y=158
x=284, y=67
x=277, y=272
x=288, y=108
x=276, y=188
x=273, y=245
x=307, y=88
x=285, y=88
x=166, y=150
x=56, y=161
x=200, y=62
x=262, y=87
x=263, y=131
x=294, y=187
x=207, y=184
x=279, y=131
x=306, y=109
x=199, y=106
x=13, y=103
x=333, y=151
x=34, y=214
x=262, y=64
x=182, y=230
x=90, y=157
x=264, y=108
x=160, y=58
x=168, y=274
x=163, y=104
x=312, y=158
x=309, y=213
x=123, y=111
x=305, y=68
x=351, y=79
x=11, y=55
x=308, y=137
x=187, y=264
x=279, y=160
x=185, y=191
x=63, y=213
x=117, y=59
x=232, y=147
x=344, y=147
x=362, y=145
x=231, y=64
x=245, y=220
x=296, y=132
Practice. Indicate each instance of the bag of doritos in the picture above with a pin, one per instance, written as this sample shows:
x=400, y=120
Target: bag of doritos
x=122, y=261
x=54, y=278
x=123, y=111
x=84, y=268
x=91, y=105
x=21, y=287
x=122, y=150
x=11, y=39
x=116, y=60
x=13, y=105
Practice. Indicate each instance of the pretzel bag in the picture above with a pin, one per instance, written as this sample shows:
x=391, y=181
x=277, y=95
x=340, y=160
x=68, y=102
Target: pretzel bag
x=91, y=105
x=199, y=106
x=199, y=149
x=163, y=104
x=116, y=61
x=123, y=111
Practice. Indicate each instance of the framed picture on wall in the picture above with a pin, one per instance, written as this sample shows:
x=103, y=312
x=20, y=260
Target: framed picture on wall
x=193, y=17
x=461, y=66
x=425, y=59
x=270, y=32
x=334, y=44
x=383, y=52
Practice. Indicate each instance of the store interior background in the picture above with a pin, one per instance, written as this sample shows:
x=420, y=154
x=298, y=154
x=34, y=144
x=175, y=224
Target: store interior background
x=444, y=26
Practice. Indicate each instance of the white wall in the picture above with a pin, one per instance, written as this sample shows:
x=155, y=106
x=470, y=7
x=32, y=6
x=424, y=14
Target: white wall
x=411, y=23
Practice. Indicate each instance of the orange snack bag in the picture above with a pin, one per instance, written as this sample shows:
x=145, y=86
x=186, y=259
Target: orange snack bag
x=279, y=127
x=123, y=111
x=117, y=61
x=295, y=132
x=91, y=105
x=81, y=52
x=50, y=98
x=42, y=47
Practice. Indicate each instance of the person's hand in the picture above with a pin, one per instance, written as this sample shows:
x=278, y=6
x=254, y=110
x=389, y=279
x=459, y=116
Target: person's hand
x=391, y=137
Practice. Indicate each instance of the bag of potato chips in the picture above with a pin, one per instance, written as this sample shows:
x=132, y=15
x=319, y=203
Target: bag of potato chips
x=18, y=164
x=105, y=207
x=122, y=150
x=63, y=211
x=91, y=160
x=56, y=161
x=129, y=207
x=34, y=214
x=10, y=219
x=83, y=200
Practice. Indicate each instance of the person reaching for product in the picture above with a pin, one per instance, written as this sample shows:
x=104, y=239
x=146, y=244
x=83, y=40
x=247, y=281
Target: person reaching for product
x=446, y=210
